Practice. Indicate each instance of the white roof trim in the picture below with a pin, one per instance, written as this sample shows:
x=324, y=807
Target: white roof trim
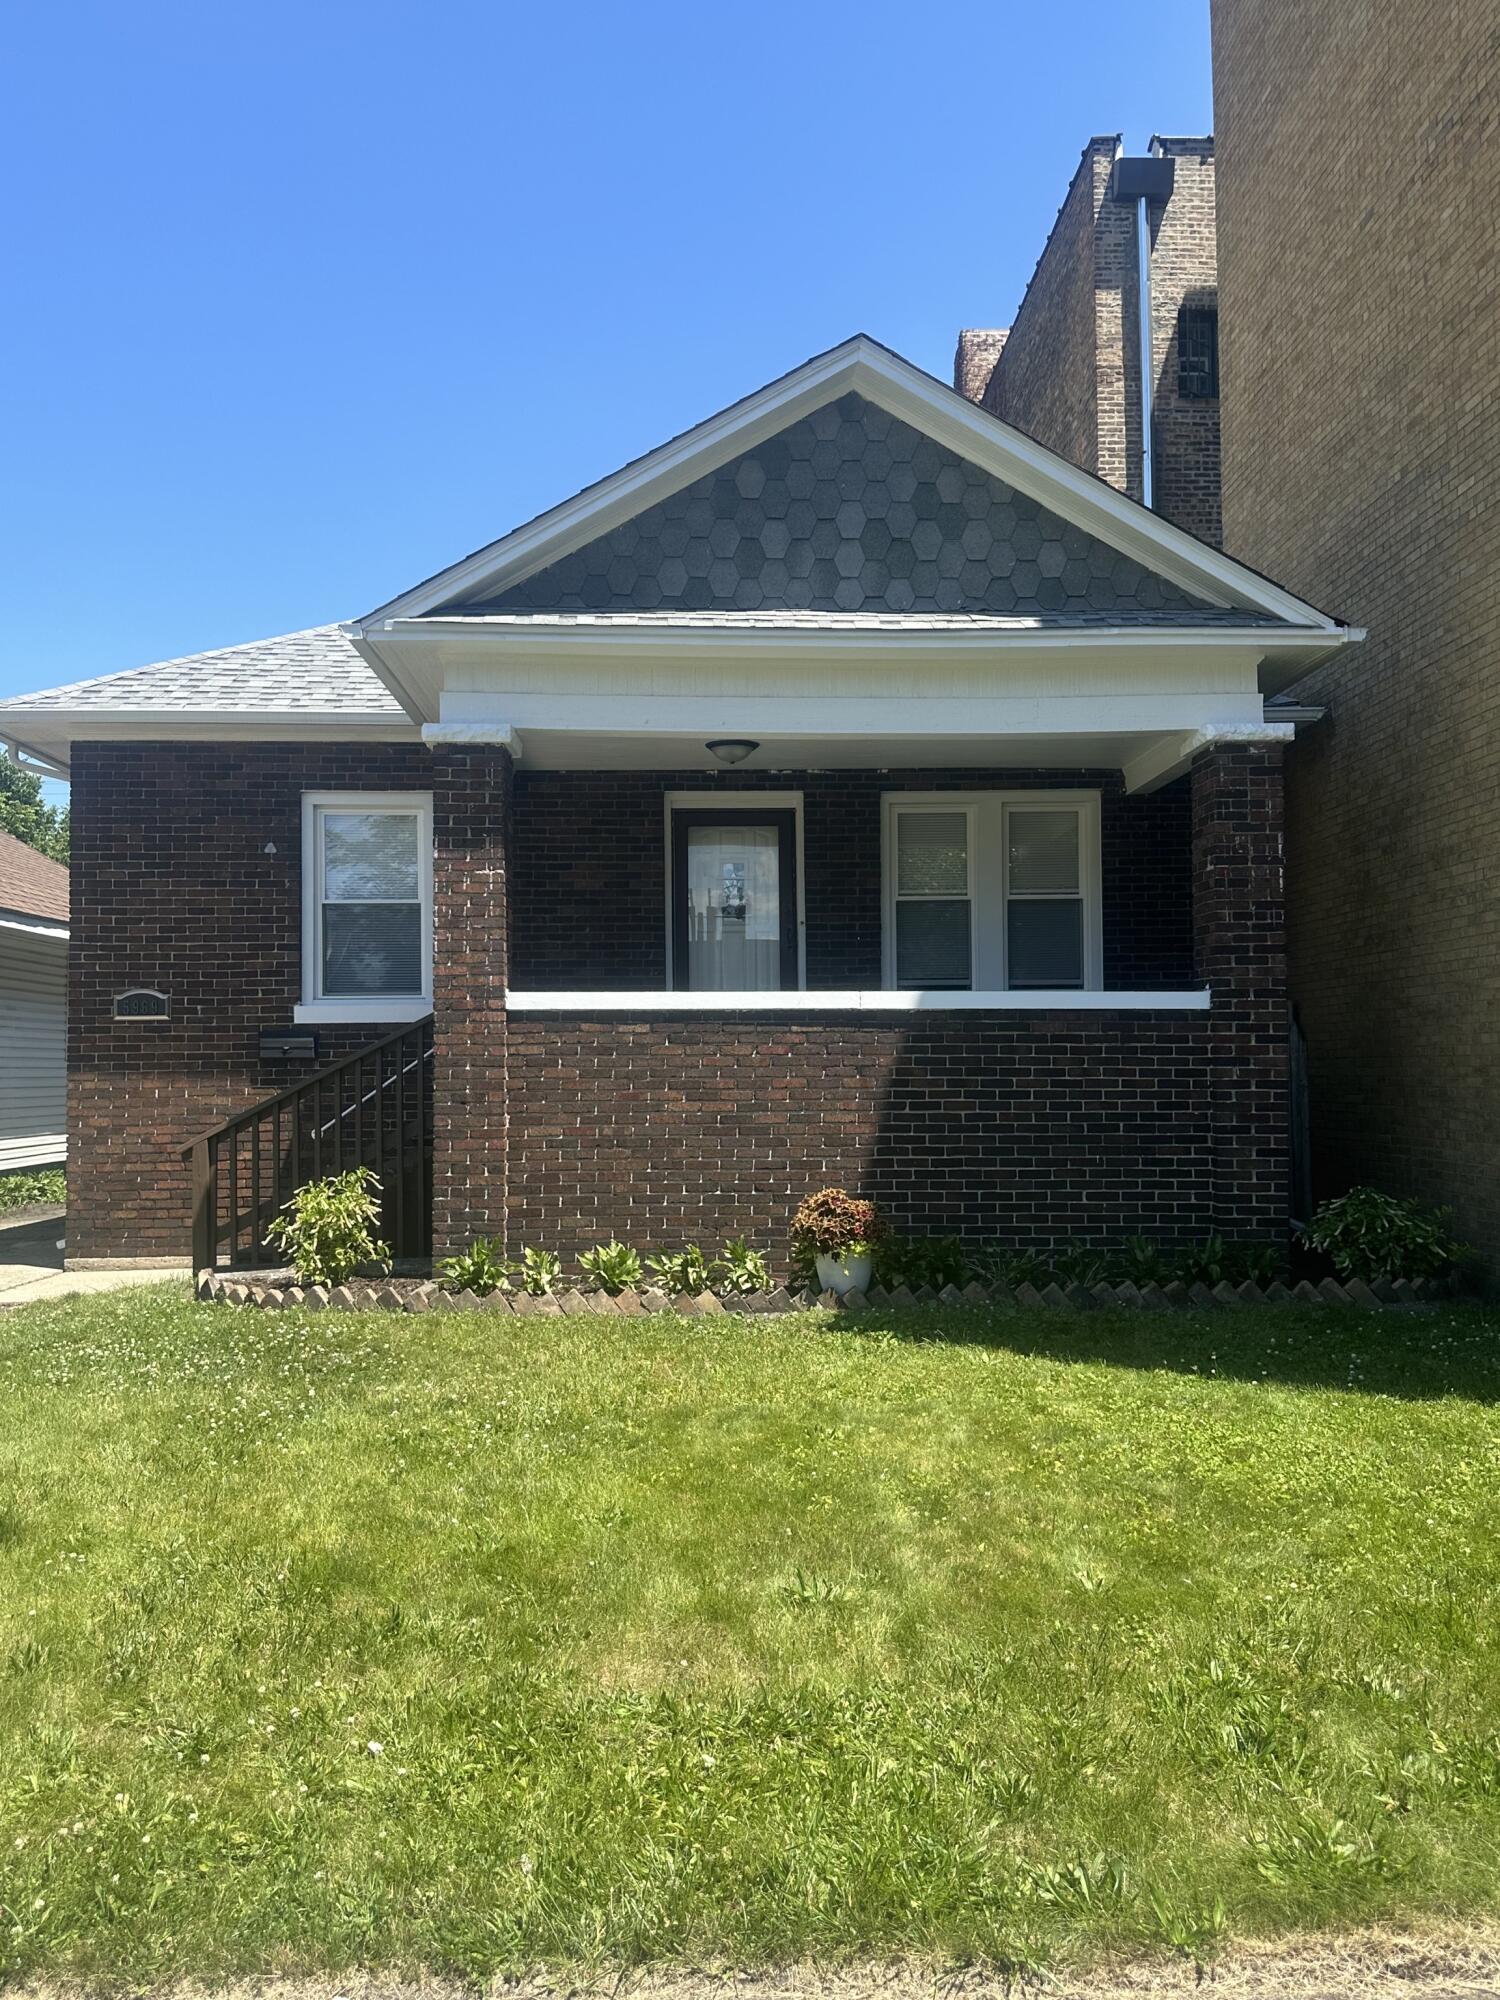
x=884, y=378
x=35, y=926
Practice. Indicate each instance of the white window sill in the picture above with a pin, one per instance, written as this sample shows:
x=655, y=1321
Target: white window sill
x=310, y=1013
x=863, y=1001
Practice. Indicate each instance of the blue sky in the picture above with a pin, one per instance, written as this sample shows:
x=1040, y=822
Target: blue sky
x=305, y=300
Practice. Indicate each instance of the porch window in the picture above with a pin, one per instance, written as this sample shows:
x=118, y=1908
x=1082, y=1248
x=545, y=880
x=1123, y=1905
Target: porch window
x=367, y=906
x=992, y=891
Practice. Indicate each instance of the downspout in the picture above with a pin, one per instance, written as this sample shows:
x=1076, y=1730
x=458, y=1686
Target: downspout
x=1142, y=180
x=1143, y=295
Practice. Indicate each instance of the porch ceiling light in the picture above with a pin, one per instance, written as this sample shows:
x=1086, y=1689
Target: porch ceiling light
x=731, y=749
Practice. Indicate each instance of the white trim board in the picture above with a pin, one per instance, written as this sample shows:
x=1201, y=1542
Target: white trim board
x=884, y=378
x=864, y=1000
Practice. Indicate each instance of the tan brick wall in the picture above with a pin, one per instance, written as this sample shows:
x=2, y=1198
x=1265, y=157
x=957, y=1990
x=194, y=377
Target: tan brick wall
x=1068, y=371
x=1046, y=381
x=1359, y=186
x=1184, y=270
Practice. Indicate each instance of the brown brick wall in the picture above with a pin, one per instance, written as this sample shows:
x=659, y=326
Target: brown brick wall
x=1359, y=184
x=472, y=843
x=1023, y=1127
x=1239, y=950
x=590, y=872
x=172, y=888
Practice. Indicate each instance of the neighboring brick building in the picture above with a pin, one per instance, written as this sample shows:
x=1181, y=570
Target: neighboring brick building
x=1067, y=371
x=849, y=791
x=1359, y=155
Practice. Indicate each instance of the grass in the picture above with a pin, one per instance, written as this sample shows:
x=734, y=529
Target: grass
x=22, y=1188
x=472, y=1644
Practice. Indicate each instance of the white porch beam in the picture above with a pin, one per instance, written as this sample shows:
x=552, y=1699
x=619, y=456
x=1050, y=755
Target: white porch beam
x=1160, y=762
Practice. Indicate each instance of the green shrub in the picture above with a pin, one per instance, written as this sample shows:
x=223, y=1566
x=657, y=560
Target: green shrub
x=32, y=1185
x=482, y=1268
x=612, y=1266
x=327, y=1228
x=738, y=1268
x=1215, y=1262
x=915, y=1261
x=1367, y=1234
x=540, y=1271
x=837, y=1224
x=680, y=1270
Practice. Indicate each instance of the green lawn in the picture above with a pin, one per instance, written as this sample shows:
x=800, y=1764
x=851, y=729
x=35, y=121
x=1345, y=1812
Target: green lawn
x=480, y=1643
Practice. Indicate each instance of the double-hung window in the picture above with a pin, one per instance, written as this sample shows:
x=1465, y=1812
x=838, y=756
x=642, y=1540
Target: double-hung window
x=366, y=906
x=992, y=891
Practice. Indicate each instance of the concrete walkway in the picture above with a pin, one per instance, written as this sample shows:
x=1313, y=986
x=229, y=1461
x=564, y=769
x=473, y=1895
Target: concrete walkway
x=31, y=1264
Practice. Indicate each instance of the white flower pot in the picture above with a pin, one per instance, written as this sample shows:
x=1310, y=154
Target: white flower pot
x=848, y=1273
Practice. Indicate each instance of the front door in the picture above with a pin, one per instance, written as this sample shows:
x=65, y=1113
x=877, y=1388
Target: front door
x=734, y=901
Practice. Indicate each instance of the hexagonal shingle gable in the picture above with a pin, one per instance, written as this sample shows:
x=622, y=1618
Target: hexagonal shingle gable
x=849, y=509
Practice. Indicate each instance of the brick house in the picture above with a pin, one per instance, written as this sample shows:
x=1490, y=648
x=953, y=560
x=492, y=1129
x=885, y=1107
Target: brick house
x=850, y=790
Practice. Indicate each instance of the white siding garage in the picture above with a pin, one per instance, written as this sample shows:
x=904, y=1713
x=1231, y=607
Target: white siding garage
x=33, y=1043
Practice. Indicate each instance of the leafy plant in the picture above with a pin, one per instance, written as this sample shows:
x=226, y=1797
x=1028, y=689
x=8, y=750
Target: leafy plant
x=482, y=1268
x=1216, y=1261
x=21, y=1189
x=540, y=1271
x=328, y=1228
x=738, y=1268
x=680, y=1270
x=1139, y=1261
x=1081, y=1264
x=612, y=1266
x=1368, y=1234
x=837, y=1224
x=1001, y=1264
x=915, y=1261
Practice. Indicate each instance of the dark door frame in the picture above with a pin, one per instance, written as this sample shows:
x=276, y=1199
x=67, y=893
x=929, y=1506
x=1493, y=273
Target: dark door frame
x=784, y=819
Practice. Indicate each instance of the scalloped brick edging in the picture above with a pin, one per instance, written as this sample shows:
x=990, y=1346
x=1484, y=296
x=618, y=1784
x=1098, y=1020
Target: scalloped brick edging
x=224, y=1289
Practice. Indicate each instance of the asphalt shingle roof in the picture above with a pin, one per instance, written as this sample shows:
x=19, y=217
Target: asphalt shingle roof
x=30, y=883
x=313, y=672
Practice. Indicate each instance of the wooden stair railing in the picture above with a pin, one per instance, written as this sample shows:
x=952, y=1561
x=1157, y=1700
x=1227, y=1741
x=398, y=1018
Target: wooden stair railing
x=372, y=1109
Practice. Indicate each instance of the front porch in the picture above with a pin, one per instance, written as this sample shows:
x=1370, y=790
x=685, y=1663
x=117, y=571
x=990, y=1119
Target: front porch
x=1116, y=1068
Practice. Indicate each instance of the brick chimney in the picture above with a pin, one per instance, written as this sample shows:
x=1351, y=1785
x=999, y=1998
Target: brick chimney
x=974, y=360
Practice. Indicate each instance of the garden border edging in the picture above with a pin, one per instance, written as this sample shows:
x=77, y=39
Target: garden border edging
x=223, y=1288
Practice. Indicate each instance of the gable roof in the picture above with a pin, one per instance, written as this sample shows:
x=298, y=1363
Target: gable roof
x=312, y=672
x=853, y=510
x=860, y=366
x=31, y=884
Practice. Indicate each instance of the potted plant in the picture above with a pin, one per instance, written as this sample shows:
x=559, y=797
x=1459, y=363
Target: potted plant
x=840, y=1231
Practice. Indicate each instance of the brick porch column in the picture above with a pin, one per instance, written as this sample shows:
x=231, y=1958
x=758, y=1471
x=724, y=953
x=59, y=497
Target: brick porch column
x=1239, y=951
x=471, y=822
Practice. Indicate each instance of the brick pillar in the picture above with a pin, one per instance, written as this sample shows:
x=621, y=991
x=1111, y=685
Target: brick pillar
x=471, y=821
x=1239, y=952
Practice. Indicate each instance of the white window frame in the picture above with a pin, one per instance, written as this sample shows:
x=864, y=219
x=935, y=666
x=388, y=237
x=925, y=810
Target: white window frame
x=737, y=801
x=926, y=807
x=988, y=871
x=314, y=1006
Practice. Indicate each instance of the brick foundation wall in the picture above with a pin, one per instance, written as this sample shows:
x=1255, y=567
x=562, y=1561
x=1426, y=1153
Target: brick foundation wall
x=1023, y=1127
x=172, y=889
x=589, y=896
x=1359, y=182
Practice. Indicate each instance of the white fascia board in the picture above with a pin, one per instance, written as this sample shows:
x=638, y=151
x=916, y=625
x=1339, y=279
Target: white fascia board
x=510, y=634
x=864, y=1000
x=34, y=927
x=420, y=700
x=57, y=728
x=474, y=735
x=930, y=406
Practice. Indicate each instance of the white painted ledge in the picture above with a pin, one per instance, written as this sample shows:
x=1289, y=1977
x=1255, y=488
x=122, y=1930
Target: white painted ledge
x=865, y=1000
x=328, y=1013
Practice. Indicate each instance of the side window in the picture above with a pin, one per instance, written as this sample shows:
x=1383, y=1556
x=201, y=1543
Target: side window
x=1198, y=352
x=367, y=903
